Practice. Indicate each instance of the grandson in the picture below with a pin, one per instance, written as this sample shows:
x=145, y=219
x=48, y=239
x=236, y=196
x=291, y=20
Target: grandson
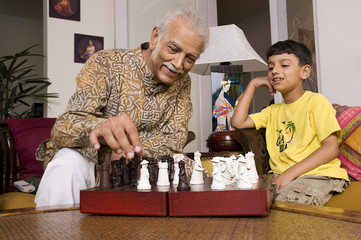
x=302, y=132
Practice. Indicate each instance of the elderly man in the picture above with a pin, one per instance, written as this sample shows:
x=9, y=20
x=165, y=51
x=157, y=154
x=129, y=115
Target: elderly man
x=133, y=101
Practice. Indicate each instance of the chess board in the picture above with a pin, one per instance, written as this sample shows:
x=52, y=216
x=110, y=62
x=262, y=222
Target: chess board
x=200, y=200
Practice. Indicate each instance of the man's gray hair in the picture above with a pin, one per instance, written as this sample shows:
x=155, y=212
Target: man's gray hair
x=191, y=16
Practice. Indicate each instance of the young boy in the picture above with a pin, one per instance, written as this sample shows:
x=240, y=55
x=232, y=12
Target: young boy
x=302, y=132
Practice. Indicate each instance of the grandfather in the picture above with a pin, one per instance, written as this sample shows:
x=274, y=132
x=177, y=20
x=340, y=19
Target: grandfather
x=134, y=101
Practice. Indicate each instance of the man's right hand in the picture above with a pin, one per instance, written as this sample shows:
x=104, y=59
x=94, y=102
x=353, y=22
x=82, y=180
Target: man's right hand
x=120, y=134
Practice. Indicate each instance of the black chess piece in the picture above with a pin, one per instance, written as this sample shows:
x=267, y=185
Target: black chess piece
x=153, y=170
x=183, y=184
x=117, y=173
x=105, y=182
x=170, y=168
x=125, y=171
x=134, y=170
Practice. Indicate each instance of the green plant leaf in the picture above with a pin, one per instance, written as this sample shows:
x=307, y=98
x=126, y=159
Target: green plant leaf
x=19, y=84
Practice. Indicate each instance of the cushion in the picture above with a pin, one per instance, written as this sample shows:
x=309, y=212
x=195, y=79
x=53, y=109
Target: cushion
x=13, y=200
x=350, y=199
x=28, y=134
x=349, y=119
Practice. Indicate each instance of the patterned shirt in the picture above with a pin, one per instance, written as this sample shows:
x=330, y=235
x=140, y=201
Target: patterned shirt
x=118, y=81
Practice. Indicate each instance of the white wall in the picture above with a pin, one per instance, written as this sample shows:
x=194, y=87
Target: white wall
x=143, y=15
x=338, y=38
x=96, y=18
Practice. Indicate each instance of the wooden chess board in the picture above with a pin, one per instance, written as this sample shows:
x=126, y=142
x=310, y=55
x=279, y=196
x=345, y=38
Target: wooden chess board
x=201, y=200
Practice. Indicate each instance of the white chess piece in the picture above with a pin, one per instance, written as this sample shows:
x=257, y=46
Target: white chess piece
x=235, y=165
x=217, y=182
x=163, y=178
x=230, y=169
x=243, y=181
x=144, y=176
x=225, y=171
x=197, y=173
x=252, y=172
x=177, y=158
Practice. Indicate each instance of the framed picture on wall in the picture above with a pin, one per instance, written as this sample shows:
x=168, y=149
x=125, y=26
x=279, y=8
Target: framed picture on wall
x=65, y=9
x=85, y=46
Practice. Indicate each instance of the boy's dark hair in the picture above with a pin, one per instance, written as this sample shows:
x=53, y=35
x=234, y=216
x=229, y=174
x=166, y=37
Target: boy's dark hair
x=291, y=47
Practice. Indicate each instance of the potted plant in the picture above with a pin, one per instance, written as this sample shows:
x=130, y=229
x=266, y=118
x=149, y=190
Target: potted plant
x=19, y=84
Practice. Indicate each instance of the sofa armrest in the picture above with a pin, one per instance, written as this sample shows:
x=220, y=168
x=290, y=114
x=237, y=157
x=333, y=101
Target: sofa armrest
x=254, y=140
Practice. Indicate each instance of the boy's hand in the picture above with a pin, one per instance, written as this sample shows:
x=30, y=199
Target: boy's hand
x=263, y=82
x=281, y=181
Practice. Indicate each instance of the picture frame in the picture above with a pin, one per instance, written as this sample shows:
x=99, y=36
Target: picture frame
x=86, y=46
x=65, y=9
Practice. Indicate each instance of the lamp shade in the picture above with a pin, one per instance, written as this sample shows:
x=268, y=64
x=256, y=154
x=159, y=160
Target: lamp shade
x=228, y=44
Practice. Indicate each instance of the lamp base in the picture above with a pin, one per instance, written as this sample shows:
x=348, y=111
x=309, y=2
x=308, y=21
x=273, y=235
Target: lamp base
x=223, y=141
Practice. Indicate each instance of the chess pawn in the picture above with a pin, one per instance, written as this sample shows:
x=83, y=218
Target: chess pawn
x=252, y=171
x=197, y=173
x=144, y=176
x=183, y=181
x=163, y=179
x=177, y=158
x=243, y=181
x=217, y=182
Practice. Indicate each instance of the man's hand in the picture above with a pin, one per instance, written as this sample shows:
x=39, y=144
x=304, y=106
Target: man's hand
x=120, y=134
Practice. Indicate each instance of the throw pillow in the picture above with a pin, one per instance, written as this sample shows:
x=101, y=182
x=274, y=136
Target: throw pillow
x=349, y=119
x=28, y=134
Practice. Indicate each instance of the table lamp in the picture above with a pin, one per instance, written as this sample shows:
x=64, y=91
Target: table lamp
x=227, y=46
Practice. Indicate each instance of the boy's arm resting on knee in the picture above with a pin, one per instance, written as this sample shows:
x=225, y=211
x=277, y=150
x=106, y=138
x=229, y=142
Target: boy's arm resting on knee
x=328, y=151
x=240, y=117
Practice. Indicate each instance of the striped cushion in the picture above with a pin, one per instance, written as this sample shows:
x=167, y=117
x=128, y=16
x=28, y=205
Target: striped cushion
x=349, y=119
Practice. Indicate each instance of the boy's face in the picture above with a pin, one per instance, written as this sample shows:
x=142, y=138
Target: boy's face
x=285, y=74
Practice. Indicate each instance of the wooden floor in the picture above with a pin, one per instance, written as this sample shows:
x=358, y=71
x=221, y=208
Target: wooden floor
x=71, y=224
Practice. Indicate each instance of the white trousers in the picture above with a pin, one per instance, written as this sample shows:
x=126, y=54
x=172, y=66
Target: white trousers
x=64, y=177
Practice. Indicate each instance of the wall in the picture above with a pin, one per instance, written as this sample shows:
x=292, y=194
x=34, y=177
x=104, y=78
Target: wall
x=20, y=29
x=258, y=33
x=143, y=15
x=338, y=38
x=97, y=19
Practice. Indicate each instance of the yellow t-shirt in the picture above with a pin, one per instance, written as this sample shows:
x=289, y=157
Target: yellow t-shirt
x=294, y=131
